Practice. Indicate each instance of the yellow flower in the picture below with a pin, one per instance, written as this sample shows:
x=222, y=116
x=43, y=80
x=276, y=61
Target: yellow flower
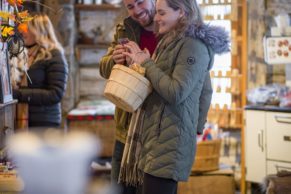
x=20, y=20
x=5, y=15
x=23, y=14
x=7, y=31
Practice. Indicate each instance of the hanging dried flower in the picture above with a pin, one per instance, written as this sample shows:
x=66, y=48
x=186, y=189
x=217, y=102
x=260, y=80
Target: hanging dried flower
x=24, y=15
x=20, y=19
x=5, y=15
x=6, y=31
x=22, y=28
x=12, y=33
x=15, y=2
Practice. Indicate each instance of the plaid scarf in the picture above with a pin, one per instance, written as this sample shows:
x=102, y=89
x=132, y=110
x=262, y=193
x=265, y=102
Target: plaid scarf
x=129, y=172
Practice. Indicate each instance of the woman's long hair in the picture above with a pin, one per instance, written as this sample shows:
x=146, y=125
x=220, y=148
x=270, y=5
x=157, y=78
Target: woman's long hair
x=45, y=36
x=192, y=18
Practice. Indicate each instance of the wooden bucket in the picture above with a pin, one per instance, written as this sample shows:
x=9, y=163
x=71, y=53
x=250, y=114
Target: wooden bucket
x=207, y=156
x=126, y=88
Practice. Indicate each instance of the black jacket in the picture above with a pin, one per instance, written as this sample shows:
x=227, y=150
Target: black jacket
x=44, y=94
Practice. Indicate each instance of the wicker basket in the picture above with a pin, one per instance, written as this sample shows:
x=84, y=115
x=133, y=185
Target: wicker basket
x=126, y=88
x=207, y=156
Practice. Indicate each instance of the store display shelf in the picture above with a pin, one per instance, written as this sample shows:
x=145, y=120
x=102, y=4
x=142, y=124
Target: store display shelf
x=94, y=7
x=92, y=46
x=211, y=17
x=236, y=127
x=225, y=76
x=216, y=4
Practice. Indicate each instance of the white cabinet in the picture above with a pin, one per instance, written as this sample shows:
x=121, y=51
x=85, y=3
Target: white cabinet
x=267, y=143
x=274, y=166
x=255, y=146
x=278, y=136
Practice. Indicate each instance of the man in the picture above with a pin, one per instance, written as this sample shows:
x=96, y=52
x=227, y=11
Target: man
x=138, y=27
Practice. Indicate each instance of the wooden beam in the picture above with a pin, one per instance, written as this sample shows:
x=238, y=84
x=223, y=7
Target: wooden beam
x=244, y=67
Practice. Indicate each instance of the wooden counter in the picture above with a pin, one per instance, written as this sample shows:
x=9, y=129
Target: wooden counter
x=7, y=120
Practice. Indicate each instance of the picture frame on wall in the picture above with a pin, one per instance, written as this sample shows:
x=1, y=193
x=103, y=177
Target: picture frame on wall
x=5, y=84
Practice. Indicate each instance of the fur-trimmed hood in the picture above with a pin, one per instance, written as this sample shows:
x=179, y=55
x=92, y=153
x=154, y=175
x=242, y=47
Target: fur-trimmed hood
x=215, y=37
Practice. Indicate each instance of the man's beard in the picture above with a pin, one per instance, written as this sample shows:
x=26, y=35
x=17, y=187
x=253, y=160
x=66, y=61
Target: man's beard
x=151, y=18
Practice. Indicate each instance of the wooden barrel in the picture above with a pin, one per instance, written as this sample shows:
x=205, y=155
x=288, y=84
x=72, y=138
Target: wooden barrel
x=207, y=156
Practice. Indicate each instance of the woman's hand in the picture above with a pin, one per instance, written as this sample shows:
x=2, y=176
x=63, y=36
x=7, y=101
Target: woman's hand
x=135, y=53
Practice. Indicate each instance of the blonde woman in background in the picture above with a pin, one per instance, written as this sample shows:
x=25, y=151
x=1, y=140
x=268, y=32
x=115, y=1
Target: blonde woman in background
x=40, y=93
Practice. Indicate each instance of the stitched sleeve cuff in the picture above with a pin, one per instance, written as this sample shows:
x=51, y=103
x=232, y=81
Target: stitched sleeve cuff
x=147, y=63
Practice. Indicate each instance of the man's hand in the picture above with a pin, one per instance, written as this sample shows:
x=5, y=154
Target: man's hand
x=117, y=55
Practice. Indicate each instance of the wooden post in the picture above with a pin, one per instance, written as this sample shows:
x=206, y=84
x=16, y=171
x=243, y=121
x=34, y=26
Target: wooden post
x=62, y=14
x=244, y=65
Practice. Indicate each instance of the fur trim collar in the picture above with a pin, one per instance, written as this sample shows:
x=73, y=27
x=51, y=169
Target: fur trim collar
x=217, y=38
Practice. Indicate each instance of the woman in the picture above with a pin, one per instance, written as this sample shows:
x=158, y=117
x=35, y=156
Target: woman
x=40, y=91
x=178, y=71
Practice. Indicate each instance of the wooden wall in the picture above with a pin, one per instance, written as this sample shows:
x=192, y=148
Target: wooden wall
x=260, y=19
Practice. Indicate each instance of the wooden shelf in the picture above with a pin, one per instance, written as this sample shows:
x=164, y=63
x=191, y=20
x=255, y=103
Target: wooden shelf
x=222, y=76
x=232, y=128
x=92, y=66
x=211, y=17
x=220, y=4
x=10, y=182
x=8, y=103
x=211, y=4
x=95, y=7
x=93, y=46
x=226, y=76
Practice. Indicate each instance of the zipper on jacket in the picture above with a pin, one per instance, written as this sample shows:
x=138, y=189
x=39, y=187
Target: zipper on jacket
x=160, y=121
